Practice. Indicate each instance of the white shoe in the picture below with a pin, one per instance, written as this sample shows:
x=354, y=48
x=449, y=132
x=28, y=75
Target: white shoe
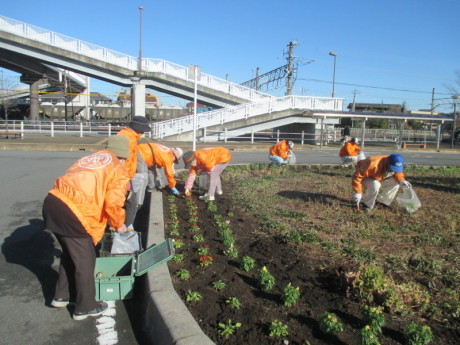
x=206, y=197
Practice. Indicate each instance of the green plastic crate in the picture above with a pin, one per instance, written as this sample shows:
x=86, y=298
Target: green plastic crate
x=114, y=276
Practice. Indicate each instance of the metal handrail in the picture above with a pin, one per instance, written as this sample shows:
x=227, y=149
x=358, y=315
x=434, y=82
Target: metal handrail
x=243, y=111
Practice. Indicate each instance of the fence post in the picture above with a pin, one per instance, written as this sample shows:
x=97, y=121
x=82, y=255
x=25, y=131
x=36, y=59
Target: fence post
x=302, y=139
x=225, y=135
x=204, y=134
x=81, y=129
x=252, y=136
x=110, y=129
x=22, y=129
x=278, y=136
x=52, y=129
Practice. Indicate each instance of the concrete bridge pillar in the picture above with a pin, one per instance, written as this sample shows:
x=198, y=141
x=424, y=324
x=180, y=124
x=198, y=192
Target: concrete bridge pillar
x=137, y=98
x=34, y=83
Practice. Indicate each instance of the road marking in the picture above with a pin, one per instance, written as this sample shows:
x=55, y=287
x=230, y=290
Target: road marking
x=105, y=324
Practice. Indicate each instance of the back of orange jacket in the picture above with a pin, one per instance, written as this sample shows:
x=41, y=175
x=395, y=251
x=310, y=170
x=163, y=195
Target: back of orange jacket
x=375, y=167
x=94, y=188
x=163, y=156
x=281, y=149
x=349, y=149
x=133, y=137
x=209, y=157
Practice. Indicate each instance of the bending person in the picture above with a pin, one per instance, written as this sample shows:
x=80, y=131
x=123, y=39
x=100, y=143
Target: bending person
x=77, y=210
x=153, y=156
x=211, y=161
x=281, y=152
x=381, y=177
x=350, y=151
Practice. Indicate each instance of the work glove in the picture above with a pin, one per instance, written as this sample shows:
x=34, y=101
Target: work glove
x=188, y=192
x=405, y=184
x=174, y=191
x=357, y=197
x=122, y=229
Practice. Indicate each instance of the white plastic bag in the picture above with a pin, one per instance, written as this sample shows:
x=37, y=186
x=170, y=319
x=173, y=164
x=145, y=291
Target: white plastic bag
x=125, y=243
x=361, y=156
x=292, y=159
x=408, y=200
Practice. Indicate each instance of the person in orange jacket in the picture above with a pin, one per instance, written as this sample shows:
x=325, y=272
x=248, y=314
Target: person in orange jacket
x=77, y=210
x=381, y=177
x=136, y=128
x=350, y=151
x=281, y=152
x=153, y=156
x=211, y=161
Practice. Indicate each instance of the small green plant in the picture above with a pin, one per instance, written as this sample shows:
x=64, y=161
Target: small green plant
x=231, y=252
x=266, y=280
x=277, y=328
x=212, y=207
x=233, y=302
x=218, y=285
x=368, y=336
x=178, y=243
x=205, y=260
x=247, y=263
x=197, y=238
x=193, y=296
x=227, y=329
x=178, y=258
x=183, y=274
x=330, y=324
x=203, y=250
x=419, y=335
x=370, y=281
x=373, y=316
x=290, y=295
x=174, y=233
x=194, y=228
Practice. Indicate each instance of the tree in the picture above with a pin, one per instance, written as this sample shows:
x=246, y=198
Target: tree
x=8, y=89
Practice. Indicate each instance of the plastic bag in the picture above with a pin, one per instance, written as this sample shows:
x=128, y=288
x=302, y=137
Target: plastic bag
x=361, y=156
x=408, y=200
x=292, y=159
x=203, y=182
x=125, y=243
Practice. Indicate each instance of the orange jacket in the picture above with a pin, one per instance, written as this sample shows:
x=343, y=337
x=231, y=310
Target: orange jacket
x=281, y=149
x=375, y=167
x=209, y=157
x=133, y=137
x=349, y=149
x=94, y=188
x=157, y=154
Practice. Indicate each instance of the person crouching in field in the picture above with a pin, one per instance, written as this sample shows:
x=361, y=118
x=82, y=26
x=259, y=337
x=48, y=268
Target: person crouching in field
x=212, y=161
x=349, y=152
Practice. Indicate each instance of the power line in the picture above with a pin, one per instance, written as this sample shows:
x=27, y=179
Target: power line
x=375, y=87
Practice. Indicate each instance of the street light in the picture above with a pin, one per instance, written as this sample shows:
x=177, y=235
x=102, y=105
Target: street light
x=333, y=75
x=141, y=8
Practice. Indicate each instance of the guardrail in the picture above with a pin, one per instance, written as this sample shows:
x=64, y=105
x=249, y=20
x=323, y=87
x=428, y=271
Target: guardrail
x=243, y=111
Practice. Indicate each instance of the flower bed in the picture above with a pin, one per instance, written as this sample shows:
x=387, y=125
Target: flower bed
x=246, y=284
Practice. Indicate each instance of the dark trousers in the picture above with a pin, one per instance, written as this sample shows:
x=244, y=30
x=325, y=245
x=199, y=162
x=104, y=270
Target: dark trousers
x=76, y=271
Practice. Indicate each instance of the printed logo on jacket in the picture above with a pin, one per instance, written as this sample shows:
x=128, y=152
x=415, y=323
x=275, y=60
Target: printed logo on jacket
x=95, y=161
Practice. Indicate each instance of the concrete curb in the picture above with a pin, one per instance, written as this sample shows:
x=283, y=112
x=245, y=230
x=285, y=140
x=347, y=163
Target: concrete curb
x=167, y=319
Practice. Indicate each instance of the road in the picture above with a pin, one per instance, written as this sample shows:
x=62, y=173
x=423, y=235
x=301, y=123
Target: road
x=29, y=262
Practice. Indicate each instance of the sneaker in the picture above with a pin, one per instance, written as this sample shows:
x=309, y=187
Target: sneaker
x=95, y=312
x=219, y=192
x=60, y=302
x=206, y=197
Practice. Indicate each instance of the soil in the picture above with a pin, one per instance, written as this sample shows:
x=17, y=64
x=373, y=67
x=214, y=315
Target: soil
x=321, y=288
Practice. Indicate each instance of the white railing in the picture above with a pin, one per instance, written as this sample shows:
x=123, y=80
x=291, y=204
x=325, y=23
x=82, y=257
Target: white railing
x=122, y=60
x=243, y=111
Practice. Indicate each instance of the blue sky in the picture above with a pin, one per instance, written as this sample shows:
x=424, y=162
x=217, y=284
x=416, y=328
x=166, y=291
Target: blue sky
x=390, y=51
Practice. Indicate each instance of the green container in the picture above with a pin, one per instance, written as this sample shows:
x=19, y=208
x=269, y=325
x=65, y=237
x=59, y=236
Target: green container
x=114, y=276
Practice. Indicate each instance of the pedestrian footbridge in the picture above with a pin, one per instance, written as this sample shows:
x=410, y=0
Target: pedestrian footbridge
x=241, y=110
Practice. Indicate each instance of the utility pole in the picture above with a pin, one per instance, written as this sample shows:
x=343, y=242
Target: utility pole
x=432, y=101
x=290, y=71
x=353, y=107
